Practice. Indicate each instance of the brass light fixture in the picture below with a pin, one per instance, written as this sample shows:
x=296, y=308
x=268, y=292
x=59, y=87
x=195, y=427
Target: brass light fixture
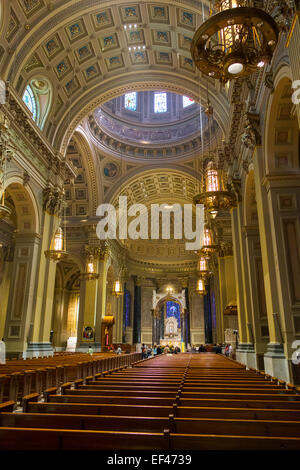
x=117, y=288
x=90, y=269
x=208, y=246
x=234, y=42
x=214, y=198
x=200, y=287
x=57, y=250
x=170, y=290
x=202, y=268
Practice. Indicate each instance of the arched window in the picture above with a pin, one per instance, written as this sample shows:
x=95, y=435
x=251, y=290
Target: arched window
x=38, y=97
x=160, y=102
x=30, y=101
x=131, y=101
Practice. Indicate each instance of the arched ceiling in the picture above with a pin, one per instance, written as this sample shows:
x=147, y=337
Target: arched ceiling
x=164, y=187
x=160, y=186
x=82, y=47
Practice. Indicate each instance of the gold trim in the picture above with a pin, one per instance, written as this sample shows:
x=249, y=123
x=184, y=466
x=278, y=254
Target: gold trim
x=290, y=34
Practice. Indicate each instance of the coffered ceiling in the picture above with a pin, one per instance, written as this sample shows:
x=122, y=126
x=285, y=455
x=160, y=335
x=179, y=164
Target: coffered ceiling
x=92, y=51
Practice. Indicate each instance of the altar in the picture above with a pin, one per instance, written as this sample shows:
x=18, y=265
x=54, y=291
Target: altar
x=171, y=342
x=168, y=325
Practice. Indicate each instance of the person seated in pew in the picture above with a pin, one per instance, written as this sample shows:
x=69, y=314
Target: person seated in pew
x=119, y=350
x=90, y=350
x=201, y=348
x=159, y=350
x=155, y=350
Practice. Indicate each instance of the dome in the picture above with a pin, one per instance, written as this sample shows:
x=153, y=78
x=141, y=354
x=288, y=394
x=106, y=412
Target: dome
x=152, y=123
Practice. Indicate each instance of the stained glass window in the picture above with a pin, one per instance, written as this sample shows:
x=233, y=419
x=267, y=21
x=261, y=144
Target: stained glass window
x=186, y=101
x=173, y=310
x=160, y=102
x=131, y=101
x=30, y=101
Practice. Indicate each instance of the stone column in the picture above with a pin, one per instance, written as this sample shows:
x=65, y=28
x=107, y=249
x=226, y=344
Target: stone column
x=154, y=327
x=5, y=281
x=278, y=216
x=257, y=325
x=207, y=316
x=188, y=314
x=226, y=288
x=88, y=313
x=22, y=294
x=183, y=327
x=137, y=312
x=242, y=284
x=60, y=312
x=39, y=344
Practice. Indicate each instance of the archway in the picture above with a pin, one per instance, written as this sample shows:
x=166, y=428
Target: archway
x=20, y=243
x=66, y=306
x=170, y=309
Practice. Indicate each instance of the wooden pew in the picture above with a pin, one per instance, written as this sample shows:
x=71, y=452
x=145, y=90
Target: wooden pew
x=61, y=439
x=99, y=409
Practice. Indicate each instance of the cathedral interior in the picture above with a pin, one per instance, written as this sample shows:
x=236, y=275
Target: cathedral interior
x=102, y=101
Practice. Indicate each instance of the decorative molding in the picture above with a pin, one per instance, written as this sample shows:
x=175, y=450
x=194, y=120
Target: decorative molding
x=251, y=137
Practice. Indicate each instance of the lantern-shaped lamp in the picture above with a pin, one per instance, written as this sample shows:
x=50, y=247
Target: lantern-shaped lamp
x=214, y=197
x=117, y=289
x=57, y=250
x=90, y=269
x=202, y=267
x=200, y=287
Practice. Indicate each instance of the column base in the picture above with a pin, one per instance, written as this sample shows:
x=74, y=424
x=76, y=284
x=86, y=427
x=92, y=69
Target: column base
x=84, y=347
x=38, y=350
x=276, y=364
x=245, y=354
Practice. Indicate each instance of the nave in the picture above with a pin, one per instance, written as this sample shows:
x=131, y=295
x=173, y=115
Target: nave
x=167, y=402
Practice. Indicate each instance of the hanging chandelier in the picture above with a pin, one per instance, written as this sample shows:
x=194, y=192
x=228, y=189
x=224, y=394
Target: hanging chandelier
x=200, y=287
x=234, y=42
x=214, y=198
x=57, y=250
x=117, y=289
